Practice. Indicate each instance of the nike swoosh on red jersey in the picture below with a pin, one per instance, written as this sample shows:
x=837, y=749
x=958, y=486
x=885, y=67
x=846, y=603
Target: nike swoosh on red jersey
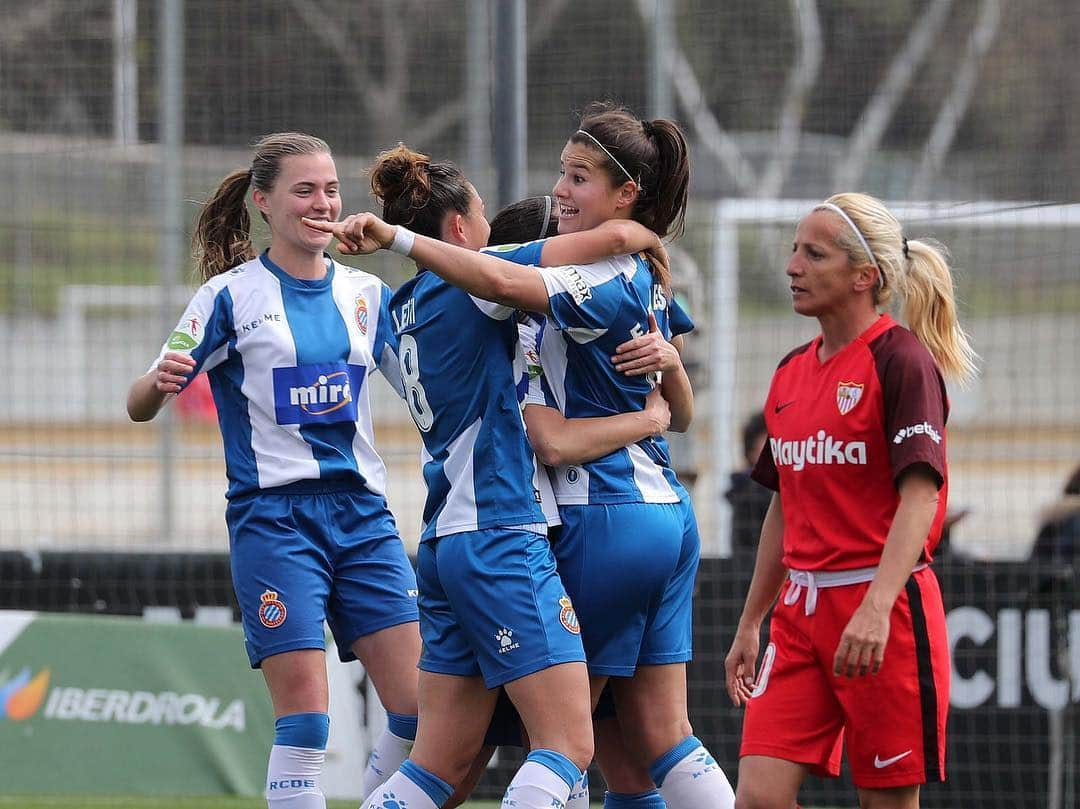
x=879, y=763
x=780, y=407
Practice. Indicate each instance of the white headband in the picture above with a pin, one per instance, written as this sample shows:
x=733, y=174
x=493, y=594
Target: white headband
x=603, y=148
x=836, y=209
x=547, y=217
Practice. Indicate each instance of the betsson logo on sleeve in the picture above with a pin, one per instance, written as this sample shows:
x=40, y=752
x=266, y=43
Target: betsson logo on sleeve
x=925, y=428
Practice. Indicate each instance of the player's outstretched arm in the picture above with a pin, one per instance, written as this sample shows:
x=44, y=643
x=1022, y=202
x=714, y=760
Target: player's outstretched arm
x=558, y=441
x=479, y=274
x=615, y=237
x=769, y=574
x=148, y=394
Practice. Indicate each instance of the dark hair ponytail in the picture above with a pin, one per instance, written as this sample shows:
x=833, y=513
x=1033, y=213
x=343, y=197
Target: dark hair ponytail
x=667, y=205
x=222, y=236
x=417, y=193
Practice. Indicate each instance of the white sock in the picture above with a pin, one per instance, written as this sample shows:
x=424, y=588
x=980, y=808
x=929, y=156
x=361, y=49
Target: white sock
x=386, y=756
x=292, y=778
x=542, y=782
x=579, y=794
x=398, y=792
x=688, y=777
x=411, y=787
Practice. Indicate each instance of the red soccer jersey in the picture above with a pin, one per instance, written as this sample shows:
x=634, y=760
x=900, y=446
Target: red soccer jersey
x=840, y=435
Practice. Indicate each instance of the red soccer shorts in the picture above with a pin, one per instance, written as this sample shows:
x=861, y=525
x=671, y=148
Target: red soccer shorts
x=893, y=722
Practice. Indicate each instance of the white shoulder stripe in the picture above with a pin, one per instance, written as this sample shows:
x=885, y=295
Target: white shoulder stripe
x=582, y=335
x=496, y=311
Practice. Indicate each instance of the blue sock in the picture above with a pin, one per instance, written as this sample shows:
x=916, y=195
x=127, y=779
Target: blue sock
x=302, y=730
x=401, y=725
x=640, y=800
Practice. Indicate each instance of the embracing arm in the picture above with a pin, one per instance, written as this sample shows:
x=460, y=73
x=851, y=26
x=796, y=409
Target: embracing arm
x=651, y=353
x=616, y=237
x=676, y=387
x=768, y=578
x=559, y=441
x=482, y=275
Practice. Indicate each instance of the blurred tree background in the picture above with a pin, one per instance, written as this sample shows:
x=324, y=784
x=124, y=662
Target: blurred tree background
x=365, y=74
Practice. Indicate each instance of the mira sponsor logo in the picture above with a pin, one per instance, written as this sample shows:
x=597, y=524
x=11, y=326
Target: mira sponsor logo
x=925, y=428
x=325, y=395
x=308, y=394
x=821, y=449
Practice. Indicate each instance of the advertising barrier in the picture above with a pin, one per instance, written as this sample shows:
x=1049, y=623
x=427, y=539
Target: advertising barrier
x=129, y=707
x=1015, y=692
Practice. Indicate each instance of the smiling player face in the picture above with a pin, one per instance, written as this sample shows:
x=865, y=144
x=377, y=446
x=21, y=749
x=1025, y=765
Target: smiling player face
x=307, y=186
x=584, y=192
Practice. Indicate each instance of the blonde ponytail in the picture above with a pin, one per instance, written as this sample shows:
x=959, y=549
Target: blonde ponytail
x=929, y=309
x=916, y=270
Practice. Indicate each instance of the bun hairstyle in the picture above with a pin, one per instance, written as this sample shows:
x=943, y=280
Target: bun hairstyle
x=915, y=269
x=417, y=193
x=525, y=221
x=222, y=236
x=652, y=154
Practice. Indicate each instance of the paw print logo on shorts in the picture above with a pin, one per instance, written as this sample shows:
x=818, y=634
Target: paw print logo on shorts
x=505, y=637
x=391, y=801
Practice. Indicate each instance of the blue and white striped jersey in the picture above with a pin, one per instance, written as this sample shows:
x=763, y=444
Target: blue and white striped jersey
x=595, y=308
x=288, y=362
x=460, y=362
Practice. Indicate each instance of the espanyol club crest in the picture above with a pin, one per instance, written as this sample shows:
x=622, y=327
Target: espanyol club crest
x=847, y=396
x=272, y=611
x=568, y=617
x=361, y=314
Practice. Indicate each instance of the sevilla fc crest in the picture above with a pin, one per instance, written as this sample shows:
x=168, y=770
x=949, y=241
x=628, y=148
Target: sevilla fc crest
x=847, y=396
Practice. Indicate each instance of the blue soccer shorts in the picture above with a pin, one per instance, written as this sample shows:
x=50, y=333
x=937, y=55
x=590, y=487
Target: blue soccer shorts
x=630, y=570
x=492, y=604
x=299, y=560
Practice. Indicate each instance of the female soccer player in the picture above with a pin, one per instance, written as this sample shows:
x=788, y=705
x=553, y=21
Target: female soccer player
x=629, y=546
x=628, y=782
x=289, y=339
x=856, y=456
x=493, y=609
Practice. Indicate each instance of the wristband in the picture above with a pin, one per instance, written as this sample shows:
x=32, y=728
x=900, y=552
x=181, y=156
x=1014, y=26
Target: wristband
x=403, y=241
